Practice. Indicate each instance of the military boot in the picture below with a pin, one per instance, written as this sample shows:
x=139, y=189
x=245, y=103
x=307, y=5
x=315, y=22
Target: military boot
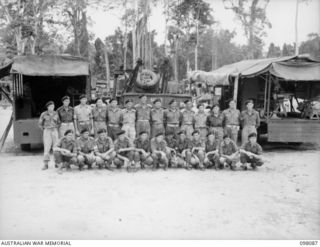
x=45, y=166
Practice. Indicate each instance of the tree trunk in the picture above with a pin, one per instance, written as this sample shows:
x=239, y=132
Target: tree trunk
x=176, y=75
x=296, y=29
x=106, y=57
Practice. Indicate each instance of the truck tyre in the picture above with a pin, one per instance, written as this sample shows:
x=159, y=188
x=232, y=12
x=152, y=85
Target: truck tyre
x=25, y=147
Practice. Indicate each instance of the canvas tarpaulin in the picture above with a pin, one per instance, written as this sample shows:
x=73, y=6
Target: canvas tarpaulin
x=50, y=66
x=5, y=70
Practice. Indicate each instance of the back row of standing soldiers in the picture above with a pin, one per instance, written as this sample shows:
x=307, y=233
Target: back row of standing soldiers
x=186, y=132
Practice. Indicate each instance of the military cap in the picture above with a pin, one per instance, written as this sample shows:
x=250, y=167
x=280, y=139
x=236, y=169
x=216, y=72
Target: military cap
x=181, y=132
x=143, y=132
x=82, y=96
x=211, y=133
x=128, y=100
x=252, y=135
x=65, y=97
x=171, y=101
x=159, y=134
x=200, y=105
x=84, y=130
x=102, y=130
x=226, y=136
x=98, y=99
x=248, y=101
x=142, y=95
x=215, y=105
x=121, y=132
x=157, y=100
x=195, y=132
x=232, y=100
x=49, y=103
x=186, y=101
x=68, y=132
x=113, y=99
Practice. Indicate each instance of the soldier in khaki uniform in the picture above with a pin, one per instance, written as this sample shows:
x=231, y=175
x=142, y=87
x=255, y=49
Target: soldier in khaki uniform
x=85, y=150
x=124, y=149
x=184, y=149
x=83, y=116
x=228, y=153
x=172, y=118
x=231, y=120
x=197, y=151
x=104, y=150
x=200, y=122
x=187, y=119
x=114, y=119
x=160, y=153
x=143, y=115
x=49, y=122
x=129, y=120
x=250, y=121
x=215, y=122
x=66, y=115
x=142, y=154
x=99, y=115
x=157, y=118
x=212, y=151
x=65, y=151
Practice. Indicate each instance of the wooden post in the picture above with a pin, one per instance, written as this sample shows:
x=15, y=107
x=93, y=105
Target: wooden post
x=265, y=93
x=235, y=89
x=269, y=92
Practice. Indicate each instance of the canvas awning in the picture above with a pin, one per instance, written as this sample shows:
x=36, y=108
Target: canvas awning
x=50, y=66
x=5, y=69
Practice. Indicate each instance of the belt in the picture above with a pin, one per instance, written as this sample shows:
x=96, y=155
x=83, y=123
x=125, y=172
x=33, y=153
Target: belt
x=232, y=126
x=173, y=124
x=84, y=122
x=187, y=124
x=143, y=120
x=128, y=123
x=114, y=125
x=66, y=123
x=249, y=126
x=157, y=123
x=201, y=127
x=99, y=121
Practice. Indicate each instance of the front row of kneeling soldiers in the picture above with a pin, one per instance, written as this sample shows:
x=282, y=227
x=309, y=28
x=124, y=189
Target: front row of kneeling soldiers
x=165, y=151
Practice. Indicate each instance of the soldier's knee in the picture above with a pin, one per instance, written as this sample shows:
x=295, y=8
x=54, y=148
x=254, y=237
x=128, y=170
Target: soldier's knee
x=99, y=160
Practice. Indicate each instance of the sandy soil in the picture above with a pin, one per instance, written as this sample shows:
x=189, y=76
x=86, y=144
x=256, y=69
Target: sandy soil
x=278, y=201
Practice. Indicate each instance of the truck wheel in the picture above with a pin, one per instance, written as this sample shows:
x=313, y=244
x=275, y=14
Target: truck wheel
x=25, y=147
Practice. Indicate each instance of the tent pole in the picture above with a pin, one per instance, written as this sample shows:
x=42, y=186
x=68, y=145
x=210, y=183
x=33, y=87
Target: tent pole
x=265, y=92
x=269, y=92
x=235, y=90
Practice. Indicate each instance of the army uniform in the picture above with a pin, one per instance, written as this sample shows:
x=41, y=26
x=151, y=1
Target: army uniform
x=143, y=118
x=200, y=123
x=231, y=119
x=85, y=148
x=253, y=148
x=187, y=122
x=114, y=118
x=199, y=153
x=103, y=145
x=250, y=123
x=212, y=159
x=66, y=115
x=171, y=120
x=99, y=115
x=68, y=145
x=214, y=123
x=158, y=158
x=129, y=122
x=157, y=119
x=184, y=149
x=228, y=149
x=83, y=117
x=118, y=144
x=174, y=160
x=49, y=122
x=141, y=157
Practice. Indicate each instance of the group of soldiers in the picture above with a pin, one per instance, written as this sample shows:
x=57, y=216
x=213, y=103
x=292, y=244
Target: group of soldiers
x=137, y=136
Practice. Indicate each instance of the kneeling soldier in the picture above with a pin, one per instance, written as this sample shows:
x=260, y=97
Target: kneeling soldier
x=228, y=153
x=212, y=151
x=198, y=151
x=85, y=148
x=142, y=153
x=124, y=150
x=184, y=149
x=251, y=153
x=104, y=149
x=159, y=151
x=174, y=159
x=65, y=151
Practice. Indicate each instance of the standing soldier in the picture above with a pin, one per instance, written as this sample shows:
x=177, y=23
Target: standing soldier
x=231, y=119
x=83, y=116
x=124, y=149
x=142, y=154
x=215, y=121
x=85, y=149
x=228, y=153
x=171, y=118
x=157, y=117
x=200, y=122
x=65, y=151
x=250, y=121
x=129, y=120
x=114, y=117
x=187, y=119
x=49, y=122
x=66, y=115
x=104, y=150
x=198, y=150
x=143, y=115
x=159, y=151
x=99, y=114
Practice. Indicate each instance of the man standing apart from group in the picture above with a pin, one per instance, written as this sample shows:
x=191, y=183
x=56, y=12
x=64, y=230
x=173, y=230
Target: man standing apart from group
x=83, y=116
x=49, y=122
x=143, y=115
x=231, y=119
x=66, y=115
x=250, y=121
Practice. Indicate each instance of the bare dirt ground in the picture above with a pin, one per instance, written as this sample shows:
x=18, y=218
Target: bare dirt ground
x=281, y=200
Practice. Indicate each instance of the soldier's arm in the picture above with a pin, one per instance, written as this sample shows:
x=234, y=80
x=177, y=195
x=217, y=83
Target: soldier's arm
x=40, y=123
x=91, y=121
x=258, y=120
x=75, y=122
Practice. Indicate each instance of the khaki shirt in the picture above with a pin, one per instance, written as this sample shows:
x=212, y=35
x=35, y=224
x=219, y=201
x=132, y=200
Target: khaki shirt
x=157, y=116
x=49, y=121
x=172, y=116
x=103, y=145
x=99, y=114
x=187, y=117
x=211, y=146
x=253, y=148
x=66, y=115
x=231, y=117
x=200, y=120
x=172, y=143
x=126, y=143
x=67, y=144
x=129, y=116
x=214, y=121
x=143, y=112
x=198, y=143
x=83, y=113
x=228, y=149
x=85, y=145
x=182, y=145
x=114, y=115
x=250, y=119
x=145, y=145
x=158, y=146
